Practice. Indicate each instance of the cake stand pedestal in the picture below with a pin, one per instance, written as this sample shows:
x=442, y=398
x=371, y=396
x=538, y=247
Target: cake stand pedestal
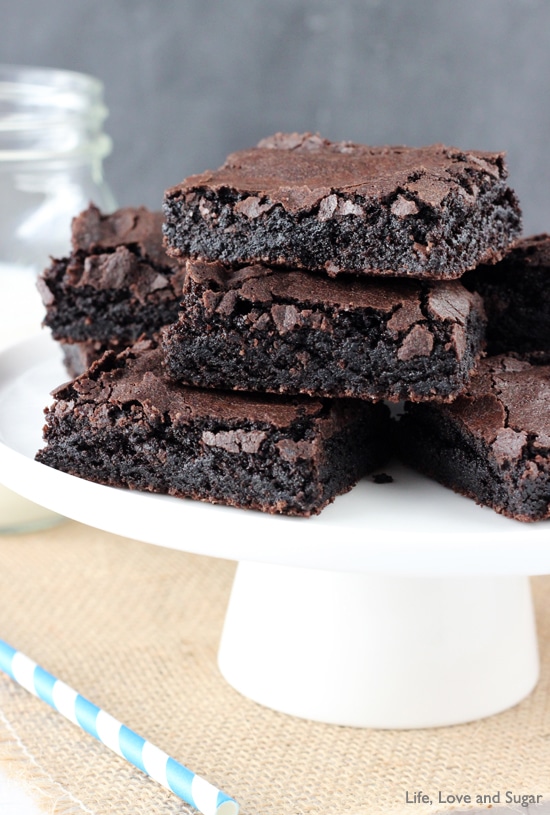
x=376, y=650
x=401, y=605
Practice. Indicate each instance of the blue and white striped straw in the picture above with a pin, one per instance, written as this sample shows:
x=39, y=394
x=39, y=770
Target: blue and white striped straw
x=188, y=786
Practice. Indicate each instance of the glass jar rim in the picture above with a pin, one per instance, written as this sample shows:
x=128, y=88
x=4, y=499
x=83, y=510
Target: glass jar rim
x=37, y=103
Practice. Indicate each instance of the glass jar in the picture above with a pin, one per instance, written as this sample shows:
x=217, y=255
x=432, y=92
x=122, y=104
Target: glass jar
x=52, y=147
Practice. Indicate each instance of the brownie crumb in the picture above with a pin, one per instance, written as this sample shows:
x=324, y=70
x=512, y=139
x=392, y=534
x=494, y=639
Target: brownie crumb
x=382, y=478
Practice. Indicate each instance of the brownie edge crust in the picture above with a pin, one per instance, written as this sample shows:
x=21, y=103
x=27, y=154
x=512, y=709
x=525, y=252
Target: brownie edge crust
x=123, y=423
x=302, y=201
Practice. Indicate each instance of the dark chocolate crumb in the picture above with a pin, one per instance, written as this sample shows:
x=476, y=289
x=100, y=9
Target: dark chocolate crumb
x=382, y=478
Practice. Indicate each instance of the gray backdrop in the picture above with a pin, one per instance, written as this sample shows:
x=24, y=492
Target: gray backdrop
x=187, y=81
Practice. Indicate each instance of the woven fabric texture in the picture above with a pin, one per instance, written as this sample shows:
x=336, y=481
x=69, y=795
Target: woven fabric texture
x=135, y=629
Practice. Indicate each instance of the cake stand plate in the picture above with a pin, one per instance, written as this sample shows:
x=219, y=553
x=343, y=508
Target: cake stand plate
x=401, y=605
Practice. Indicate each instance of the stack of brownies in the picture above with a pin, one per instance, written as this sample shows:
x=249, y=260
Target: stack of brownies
x=301, y=286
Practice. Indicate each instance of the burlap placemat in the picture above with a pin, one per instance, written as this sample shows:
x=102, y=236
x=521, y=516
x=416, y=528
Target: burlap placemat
x=135, y=629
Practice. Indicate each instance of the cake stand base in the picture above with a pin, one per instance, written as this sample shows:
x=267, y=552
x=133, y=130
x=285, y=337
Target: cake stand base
x=379, y=651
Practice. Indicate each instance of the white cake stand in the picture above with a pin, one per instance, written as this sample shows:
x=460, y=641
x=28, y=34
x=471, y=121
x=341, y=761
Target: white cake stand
x=402, y=605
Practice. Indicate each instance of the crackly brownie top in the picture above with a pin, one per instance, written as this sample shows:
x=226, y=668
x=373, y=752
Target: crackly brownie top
x=508, y=404
x=404, y=302
x=302, y=170
x=137, y=376
x=93, y=232
x=259, y=283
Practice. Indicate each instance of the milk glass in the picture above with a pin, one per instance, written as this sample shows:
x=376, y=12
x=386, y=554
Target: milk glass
x=52, y=147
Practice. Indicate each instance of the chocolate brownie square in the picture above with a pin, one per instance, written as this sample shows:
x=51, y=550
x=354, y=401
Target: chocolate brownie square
x=117, y=284
x=305, y=202
x=493, y=442
x=516, y=294
x=263, y=329
x=125, y=424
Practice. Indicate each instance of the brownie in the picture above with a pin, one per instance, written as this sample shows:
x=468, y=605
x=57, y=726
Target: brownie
x=493, y=442
x=263, y=329
x=125, y=424
x=516, y=293
x=305, y=202
x=117, y=284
